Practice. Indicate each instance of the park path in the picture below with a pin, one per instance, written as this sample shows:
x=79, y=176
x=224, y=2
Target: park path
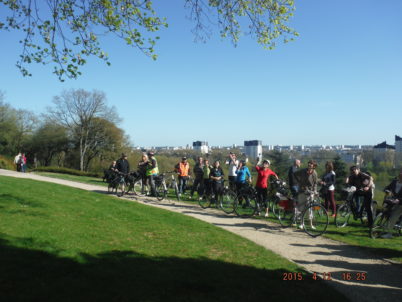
x=321, y=255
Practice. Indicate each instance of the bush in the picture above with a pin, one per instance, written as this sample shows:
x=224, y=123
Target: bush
x=6, y=163
x=68, y=171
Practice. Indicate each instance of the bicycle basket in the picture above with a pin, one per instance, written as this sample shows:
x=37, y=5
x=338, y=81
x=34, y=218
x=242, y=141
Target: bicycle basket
x=286, y=204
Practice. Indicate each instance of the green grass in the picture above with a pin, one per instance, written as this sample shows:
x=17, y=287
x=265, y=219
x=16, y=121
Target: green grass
x=354, y=233
x=65, y=244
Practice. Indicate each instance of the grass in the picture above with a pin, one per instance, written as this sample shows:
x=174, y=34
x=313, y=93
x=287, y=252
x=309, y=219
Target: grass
x=64, y=244
x=354, y=234
x=82, y=179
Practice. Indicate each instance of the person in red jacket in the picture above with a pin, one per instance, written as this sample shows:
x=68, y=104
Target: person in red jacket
x=264, y=172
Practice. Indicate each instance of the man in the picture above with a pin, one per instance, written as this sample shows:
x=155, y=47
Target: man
x=198, y=178
x=123, y=166
x=307, y=179
x=363, y=183
x=152, y=171
x=182, y=169
x=293, y=184
x=233, y=165
x=395, y=189
x=17, y=162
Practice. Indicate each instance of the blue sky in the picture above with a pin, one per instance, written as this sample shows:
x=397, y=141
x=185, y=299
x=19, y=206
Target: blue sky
x=340, y=82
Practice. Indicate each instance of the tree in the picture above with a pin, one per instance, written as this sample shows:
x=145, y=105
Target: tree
x=340, y=169
x=78, y=110
x=66, y=32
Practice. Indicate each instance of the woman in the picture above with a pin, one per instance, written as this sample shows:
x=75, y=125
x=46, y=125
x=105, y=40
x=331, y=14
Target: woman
x=216, y=176
x=242, y=175
x=264, y=172
x=142, y=169
x=328, y=183
x=206, y=171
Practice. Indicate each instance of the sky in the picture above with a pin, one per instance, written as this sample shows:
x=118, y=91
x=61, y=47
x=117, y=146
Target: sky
x=339, y=82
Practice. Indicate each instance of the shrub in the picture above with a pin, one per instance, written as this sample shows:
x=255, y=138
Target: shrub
x=6, y=163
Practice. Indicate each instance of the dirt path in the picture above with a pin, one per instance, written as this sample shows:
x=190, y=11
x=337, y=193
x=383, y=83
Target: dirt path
x=321, y=255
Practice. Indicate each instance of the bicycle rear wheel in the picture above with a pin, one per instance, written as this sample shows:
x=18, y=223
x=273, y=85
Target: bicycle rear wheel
x=205, y=202
x=285, y=215
x=378, y=224
x=176, y=190
x=315, y=219
x=139, y=189
x=245, y=206
x=160, y=191
x=227, y=201
x=342, y=216
x=274, y=207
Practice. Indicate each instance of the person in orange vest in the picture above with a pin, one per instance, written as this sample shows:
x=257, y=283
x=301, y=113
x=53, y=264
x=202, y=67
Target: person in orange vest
x=183, y=170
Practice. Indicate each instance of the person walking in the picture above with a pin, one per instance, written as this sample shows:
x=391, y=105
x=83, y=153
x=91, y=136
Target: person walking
x=17, y=162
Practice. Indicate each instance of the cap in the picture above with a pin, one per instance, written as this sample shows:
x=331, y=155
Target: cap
x=266, y=161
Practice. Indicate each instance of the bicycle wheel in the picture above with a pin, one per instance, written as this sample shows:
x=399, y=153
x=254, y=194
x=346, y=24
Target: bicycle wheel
x=245, y=206
x=176, y=190
x=139, y=189
x=274, y=207
x=342, y=216
x=378, y=224
x=285, y=214
x=315, y=219
x=205, y=202
x=110, y=188
x=160, y=191
x=120, y=189
x=227, y=201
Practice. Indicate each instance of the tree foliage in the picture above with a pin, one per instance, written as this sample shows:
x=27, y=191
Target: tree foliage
x=66, y=32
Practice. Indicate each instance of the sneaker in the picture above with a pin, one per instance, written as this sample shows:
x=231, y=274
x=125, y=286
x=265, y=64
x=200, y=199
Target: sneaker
x=190, y=197
x=313, y=227
x=266, y=215
x=199, y=198
x=386, y=236
x=301, y=227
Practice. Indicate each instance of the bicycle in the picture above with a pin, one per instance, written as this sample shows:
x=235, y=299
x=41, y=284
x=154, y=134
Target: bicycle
x=248, y=203
x=348, y=208
x=134, y=184
x=313, y=219
x=382, y=219
x=117, y=183
x=225, y=203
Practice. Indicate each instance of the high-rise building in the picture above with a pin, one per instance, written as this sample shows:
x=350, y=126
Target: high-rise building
x=253, y=149
x=201, y=146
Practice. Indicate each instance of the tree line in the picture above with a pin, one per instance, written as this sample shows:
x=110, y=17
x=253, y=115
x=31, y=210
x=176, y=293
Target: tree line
x=79, y=130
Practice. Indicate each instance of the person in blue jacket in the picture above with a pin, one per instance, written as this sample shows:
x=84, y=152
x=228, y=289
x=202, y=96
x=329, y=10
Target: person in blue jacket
x=242, y=175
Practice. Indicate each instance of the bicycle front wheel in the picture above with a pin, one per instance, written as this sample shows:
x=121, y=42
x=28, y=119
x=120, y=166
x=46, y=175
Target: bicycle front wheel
x=160, y=192
x=315, y=219
x=342, y=216
x=227, y=201
x=139, y=189
x=245, y=206
x=285, y=215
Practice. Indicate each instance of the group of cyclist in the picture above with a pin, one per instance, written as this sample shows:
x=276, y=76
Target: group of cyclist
x=209, y=180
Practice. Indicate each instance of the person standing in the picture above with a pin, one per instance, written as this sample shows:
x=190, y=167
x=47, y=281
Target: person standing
x=183, y=169
x=23, y=163
x=293, y=184
x=216, y=175
x=207, y=182
x=152, y=171
x=198, y=178
x=261, y=186
x=395, y=189
x=328, y=183
x=123, y=166
x=142, y=170
x=363, y=183
x=243, y=175
x=233, y=163
x=17, y=162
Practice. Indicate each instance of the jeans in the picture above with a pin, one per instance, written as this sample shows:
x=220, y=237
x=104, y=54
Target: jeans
x=198, y=186
x=182, y=184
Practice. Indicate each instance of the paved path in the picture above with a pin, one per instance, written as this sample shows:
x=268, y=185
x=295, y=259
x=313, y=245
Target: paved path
x=321, y=255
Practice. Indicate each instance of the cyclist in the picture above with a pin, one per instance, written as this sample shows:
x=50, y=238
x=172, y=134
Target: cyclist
x=294, y=186
x=261, y=186
x=152, y=171
x=216, y=176
x=142, y=169
x=233, y=163
x=307, y=179
x=395, y=189
x=123, y=166
x=198, y=178
x=328, y=187
x=363, y=184
x=243, y=175
x=183, y=169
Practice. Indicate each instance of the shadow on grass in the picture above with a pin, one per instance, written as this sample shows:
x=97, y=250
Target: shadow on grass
x=33, y=275
x=11, y=199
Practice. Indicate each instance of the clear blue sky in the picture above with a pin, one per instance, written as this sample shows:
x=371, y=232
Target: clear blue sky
x=340, y=82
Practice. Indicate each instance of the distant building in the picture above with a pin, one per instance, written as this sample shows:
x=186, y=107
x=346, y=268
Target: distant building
x=201, y=146
x=383, y=152
x=398, y=151
x=253, y=149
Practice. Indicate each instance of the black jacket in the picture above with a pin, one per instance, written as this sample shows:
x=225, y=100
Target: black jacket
x=123, y=166
x=392, y=187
